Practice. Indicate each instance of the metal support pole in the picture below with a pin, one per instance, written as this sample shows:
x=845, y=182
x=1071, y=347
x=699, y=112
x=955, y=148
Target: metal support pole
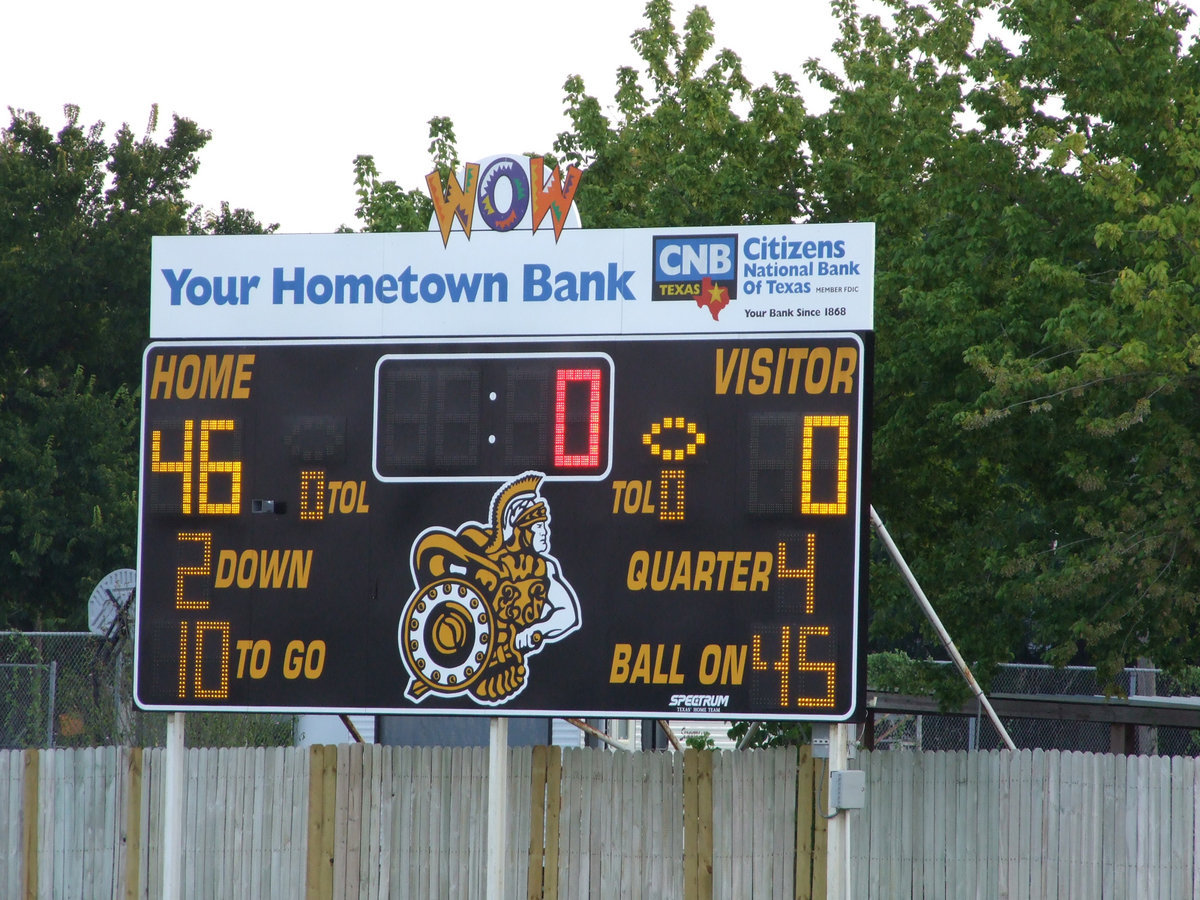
x=748, y=736
x=666, y=727
x=838, y=834
x=350, y=727
x=942, y=633
x=497, y=832
x=172, y=850
x=53, y=701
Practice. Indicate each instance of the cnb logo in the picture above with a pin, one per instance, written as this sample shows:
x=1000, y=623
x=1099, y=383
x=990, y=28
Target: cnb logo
x=509, y=192
x=700, y=268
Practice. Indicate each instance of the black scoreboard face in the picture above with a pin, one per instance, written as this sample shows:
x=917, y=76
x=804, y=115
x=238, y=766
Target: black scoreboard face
x=659, y=527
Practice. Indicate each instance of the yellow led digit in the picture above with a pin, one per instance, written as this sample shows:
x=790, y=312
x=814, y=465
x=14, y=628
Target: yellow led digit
x=671, y=499
x=803, y=633
x=177, y=466
x=199, y=691
x=221, y=691
x=783, y=665
x=837, y=507
x=758, y=664
x=230, y=467
x=808, y=573
x=204, y=538
x=184, y=628
x=312, y=495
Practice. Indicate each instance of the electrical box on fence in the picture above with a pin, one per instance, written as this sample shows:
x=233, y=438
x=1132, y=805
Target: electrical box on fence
x=847, y=789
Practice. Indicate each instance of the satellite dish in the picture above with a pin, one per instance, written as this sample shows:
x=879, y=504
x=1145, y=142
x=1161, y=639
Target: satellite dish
x=110, y=603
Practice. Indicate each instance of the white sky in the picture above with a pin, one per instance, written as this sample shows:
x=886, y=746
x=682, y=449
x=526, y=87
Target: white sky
x=292, y=92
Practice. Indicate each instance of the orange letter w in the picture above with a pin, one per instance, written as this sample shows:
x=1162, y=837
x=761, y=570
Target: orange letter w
x=452, y=200
x=554, y=198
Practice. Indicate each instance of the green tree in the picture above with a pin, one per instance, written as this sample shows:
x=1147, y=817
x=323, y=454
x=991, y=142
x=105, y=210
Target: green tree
x=67, y=494
x=383, y=206
x=76, y=217
x=959, y=212
x=697, y=145
x=1036, y=255
x=1113, y=370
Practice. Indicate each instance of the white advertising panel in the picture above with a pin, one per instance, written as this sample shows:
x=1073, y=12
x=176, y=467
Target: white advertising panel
x=718, y=280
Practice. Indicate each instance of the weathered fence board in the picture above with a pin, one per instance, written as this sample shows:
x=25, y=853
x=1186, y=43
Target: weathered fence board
x=387, y=822
x=1027, y=824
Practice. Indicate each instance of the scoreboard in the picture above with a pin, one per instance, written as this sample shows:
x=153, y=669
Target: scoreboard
x=613, y=526
x=601, y=473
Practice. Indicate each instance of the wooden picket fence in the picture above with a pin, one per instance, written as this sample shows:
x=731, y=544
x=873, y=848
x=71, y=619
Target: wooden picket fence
x=1030, y=824
x=390, y=822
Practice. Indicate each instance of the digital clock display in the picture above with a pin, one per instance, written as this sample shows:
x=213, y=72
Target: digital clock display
x=618, y=526
x=483, y=417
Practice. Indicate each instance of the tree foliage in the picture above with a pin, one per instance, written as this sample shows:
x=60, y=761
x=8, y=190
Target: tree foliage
x=696, y=145
x=68, y=500
x=960, y=211
x=1113, y=369
x=76, y=216
x=1034, y=441
x=383, y=206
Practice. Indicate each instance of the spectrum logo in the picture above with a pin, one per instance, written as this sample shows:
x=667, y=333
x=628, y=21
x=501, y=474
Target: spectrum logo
x=698, y=268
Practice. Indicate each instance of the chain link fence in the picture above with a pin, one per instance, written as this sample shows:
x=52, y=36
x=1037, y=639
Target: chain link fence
x=958, y=732
x=73, y=689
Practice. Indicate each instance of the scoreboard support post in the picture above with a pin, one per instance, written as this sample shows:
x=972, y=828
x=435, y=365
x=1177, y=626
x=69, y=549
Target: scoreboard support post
x=172, y=863
x=497, y=830
x=838, y=836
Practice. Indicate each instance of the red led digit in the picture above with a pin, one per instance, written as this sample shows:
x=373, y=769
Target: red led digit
x=563, y=459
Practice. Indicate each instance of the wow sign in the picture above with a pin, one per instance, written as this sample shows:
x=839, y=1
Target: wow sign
x=507, y=192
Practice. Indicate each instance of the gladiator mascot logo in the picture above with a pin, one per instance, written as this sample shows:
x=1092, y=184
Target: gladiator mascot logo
x=487, y=598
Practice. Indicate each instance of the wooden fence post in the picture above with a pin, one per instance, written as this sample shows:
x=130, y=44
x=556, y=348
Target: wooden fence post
x=690, y=888
x=545, y=802
x=811, y=830
x=29, y=823
x=697, y=824
x=537, y=822
x=553, y=822
x=820, y=830
x=322, y=802
x=804, y=824
x=704, y=824
x=133, y=824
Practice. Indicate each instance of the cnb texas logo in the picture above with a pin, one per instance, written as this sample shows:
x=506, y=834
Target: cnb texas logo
x=697, y=268
x=487, y=597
